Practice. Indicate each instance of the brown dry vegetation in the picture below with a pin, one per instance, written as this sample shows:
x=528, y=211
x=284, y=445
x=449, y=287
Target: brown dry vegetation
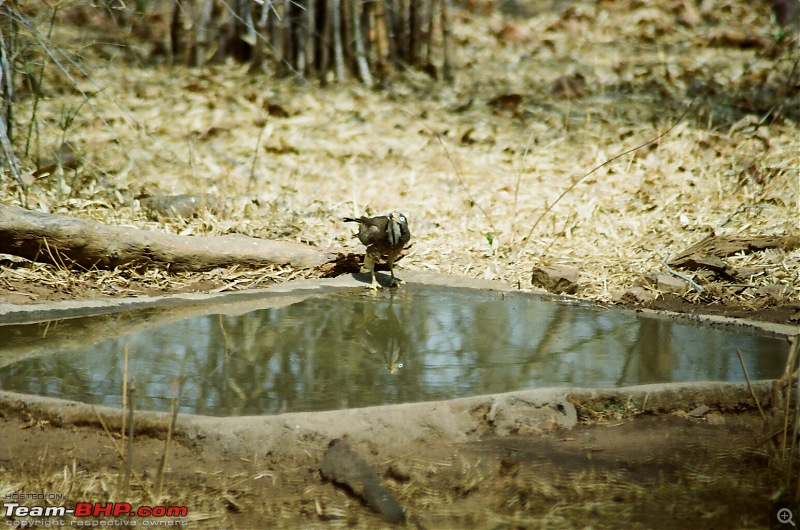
x=541, y=98
x=543, y=94
x=612, y=471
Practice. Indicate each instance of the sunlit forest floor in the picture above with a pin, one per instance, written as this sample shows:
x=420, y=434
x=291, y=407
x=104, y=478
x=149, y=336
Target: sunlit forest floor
x=615, y=469
x=544, y=93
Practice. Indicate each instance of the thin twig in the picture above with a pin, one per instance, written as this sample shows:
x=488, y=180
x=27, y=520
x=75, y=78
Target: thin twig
x=749, y=385
x=124, y=388
x=175, y=404
x=37, y=92
x=584, y=177
x=129, y=453
x=737, y=212
x=7, y=114
x=255, y=154
x=788, y=374
x=52, y=54
x=794, y=437
x=59, y=263
x=108, y=433
x=683, y=277
x=116, y=446
x=455, y=167
x=786, y=427
x=519, y=177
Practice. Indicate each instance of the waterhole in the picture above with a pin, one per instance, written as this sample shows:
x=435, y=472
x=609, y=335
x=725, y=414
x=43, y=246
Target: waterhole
x=351, y=348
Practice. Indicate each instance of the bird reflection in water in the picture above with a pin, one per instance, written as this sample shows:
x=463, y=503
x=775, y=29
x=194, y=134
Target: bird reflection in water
x=389, y=347
x=382, y=334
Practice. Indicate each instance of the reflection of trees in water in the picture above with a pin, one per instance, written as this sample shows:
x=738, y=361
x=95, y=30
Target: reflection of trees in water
x=51, y=375
x=664, y=352
x=340, y=351
x=649, y=357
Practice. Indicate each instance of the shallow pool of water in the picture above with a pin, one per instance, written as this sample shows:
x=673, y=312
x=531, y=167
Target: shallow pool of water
x=353, y=349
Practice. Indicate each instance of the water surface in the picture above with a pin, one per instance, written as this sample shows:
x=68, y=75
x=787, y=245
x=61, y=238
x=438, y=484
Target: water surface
x=355, y=349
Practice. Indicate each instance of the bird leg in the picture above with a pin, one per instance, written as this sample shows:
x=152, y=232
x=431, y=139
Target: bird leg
x=394, y=282
x=369, y=264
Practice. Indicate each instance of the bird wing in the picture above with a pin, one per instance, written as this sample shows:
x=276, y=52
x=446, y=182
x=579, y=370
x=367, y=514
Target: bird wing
x=372, y=231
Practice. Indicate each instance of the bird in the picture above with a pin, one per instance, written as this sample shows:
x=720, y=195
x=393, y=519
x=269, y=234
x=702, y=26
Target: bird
x=384, y=236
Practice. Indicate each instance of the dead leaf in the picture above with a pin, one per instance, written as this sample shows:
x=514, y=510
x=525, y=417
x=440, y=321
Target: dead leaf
x=513, y=32
x=569, y=86
x=274, y=110
x=506, y=101
x=737, y=38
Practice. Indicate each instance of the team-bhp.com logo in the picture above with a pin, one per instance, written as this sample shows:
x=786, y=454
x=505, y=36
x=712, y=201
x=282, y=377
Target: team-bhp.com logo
x=113, y=510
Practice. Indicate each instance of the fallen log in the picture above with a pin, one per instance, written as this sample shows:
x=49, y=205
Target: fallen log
x=697, y=255
x=66, y=241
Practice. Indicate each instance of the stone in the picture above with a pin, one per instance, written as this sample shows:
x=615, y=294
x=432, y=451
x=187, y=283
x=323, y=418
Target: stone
x=514, y=415
x=557, y=279
x=400, y=472
x=776, y=293
x=344, y=466
x=666, y=283
x=699, y=411
x=634, y=295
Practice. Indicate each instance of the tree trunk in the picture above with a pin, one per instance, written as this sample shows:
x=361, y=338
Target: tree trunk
x=447, y=64
x=338, y=51
x=310, y=38
x=361, y=56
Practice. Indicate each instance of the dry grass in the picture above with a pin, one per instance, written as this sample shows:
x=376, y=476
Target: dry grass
x=459, y=166
x=92, y=486
x=53, y=282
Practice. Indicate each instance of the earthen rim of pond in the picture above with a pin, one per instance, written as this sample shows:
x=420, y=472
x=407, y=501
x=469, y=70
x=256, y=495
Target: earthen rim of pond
x=195, y=304
x=460, y=419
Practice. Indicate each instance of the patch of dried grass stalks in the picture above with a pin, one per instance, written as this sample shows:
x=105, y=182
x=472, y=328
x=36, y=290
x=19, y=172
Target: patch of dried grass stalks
x=472, y=175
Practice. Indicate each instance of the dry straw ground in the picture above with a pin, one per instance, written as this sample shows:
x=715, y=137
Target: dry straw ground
x=544, y=93
x=611, y=471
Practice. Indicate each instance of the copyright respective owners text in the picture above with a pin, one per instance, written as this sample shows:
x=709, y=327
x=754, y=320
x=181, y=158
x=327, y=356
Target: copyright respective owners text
x=784, y=515
x=49, y=510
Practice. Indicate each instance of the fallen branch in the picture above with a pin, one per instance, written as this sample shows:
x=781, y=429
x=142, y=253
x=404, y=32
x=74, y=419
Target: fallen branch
x=66, y=241
x=684, y=277
x=720, y=247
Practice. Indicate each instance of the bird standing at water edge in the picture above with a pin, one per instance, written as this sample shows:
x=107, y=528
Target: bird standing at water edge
x=384, y=236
